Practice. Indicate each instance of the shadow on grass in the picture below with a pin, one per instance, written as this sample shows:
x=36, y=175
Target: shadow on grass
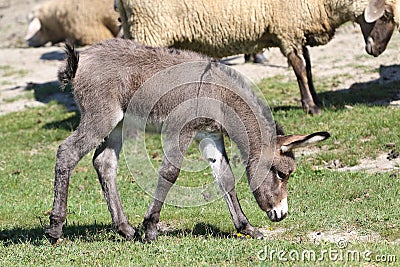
x=378, y=92
x=69, y=124
x=200, y=229
x=370, y=94
x=98, y=232
x=35, y=236
x=285, y=108
x=50, y=91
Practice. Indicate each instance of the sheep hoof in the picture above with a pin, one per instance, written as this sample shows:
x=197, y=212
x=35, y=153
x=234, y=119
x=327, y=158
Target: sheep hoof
x=312, y=109
x=255, y=58
x=315, y=110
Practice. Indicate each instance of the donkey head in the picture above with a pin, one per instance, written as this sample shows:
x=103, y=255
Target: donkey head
x=377, y=26
x=271, y=194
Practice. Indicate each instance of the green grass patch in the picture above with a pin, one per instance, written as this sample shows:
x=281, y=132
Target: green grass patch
x=8, y=71
x=320, y=200
x=26, y=95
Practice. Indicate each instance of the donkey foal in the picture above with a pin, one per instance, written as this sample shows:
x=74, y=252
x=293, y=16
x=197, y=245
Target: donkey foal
x=105, y=79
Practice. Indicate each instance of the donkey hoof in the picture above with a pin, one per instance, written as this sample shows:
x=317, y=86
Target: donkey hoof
x=257, y=234
x=250, y=232
x=53, y=234
x=127, y=231
x=150, y=236
x=52, y=240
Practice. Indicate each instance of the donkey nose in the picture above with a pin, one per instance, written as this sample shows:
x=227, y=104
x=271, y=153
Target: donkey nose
x=276, y=215
x=279, y=212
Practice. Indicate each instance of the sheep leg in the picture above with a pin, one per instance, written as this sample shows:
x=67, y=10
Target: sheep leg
x=306, y=55
x=167, y=175
x=301, y=73
x=105, y=161
x=213, y=150
x=69, y=153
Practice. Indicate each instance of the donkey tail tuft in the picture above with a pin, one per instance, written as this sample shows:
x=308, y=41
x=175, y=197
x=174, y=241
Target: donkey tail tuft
x=67, y=72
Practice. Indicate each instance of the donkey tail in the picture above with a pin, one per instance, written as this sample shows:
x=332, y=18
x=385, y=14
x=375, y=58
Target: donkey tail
x=67, y=72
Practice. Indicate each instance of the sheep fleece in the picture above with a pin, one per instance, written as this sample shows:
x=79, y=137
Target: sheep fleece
x=86, y=21
x=221, y=28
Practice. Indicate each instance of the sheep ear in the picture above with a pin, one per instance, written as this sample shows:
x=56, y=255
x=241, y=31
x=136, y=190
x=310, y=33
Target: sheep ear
x=290, y=142
x=33, y=28
x=374, y=10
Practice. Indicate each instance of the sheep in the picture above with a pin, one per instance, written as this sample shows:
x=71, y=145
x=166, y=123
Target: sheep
x=110, y=88
x=84, y=22
x=255, y=58
x=227, y=27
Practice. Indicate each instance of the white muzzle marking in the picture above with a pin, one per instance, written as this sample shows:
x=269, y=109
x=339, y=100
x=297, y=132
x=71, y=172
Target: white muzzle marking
x=279, y=212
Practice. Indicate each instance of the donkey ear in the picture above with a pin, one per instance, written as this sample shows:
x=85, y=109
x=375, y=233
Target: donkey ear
x=288, y=143
x=374, y=10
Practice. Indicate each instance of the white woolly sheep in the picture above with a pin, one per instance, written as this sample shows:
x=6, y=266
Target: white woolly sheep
x=227, y=27
x=82, y=21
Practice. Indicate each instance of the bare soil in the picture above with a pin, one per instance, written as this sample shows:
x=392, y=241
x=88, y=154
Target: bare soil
x=343, y=59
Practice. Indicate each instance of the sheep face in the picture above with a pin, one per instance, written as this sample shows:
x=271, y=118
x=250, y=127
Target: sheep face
x=34, y=36
x=38, y=34
x=271, y=193
x=377, y=34
x=377, y=26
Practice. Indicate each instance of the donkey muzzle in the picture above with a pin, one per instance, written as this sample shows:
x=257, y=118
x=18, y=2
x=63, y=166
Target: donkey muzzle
x=279, y=212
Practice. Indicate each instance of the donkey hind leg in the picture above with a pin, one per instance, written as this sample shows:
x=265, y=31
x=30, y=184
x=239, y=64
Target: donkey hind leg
x=105, y=161
x=82, y=141
x=167, y=175
x=213, y=150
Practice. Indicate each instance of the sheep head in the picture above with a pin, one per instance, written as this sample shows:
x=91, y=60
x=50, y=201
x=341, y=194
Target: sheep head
x=39, y=33
x=377, y=25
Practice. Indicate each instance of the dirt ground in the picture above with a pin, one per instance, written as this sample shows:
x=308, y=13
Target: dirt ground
x=344, y=59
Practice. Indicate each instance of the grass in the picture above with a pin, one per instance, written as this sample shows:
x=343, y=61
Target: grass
x=8, y=71
x=26, y=95
x=320, y=199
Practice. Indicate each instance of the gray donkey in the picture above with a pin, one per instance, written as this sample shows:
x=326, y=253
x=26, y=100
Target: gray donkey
x=109, y=76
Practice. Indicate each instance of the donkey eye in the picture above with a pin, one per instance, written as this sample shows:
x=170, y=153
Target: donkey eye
x=281, y=175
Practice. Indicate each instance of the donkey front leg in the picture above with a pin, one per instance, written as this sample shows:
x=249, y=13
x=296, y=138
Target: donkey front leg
x=105, y=161
x=213, y=150
x=167, y=176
